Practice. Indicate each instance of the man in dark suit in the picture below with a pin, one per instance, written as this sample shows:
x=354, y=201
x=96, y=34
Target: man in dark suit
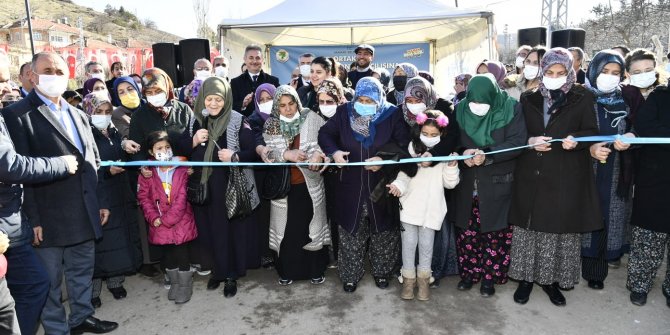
x=244, y=86
x=24, y=78
x=365, y=54
x=65, y=214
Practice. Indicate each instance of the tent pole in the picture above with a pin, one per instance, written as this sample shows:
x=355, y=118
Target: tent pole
x=30, y=27
x=267, y=58
x=351, y=29
x=489, y=23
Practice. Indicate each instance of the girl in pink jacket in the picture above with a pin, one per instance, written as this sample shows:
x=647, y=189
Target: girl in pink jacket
x=169, y=215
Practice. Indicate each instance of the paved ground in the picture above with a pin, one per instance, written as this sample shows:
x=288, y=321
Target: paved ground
x=263, y=307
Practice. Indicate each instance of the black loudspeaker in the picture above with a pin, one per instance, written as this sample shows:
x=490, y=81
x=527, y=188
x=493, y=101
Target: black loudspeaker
x=166, y=58
x=191, y=50
x=568, y=38
x=532, y=36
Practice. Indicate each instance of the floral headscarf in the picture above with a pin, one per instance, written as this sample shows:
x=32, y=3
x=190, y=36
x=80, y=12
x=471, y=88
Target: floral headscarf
x=191, y=92
x=155, y=77
x=288, y=129
x=556, y=98
x=94, y=100
x=411, y=71
x=418, y=88
x=364, y=127
x=333, y=88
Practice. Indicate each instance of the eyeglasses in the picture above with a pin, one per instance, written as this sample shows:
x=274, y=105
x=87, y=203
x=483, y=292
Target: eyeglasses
x=327, y=102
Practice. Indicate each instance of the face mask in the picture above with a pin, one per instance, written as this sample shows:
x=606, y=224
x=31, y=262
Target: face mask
x=328, y=110
x=202, y=75
x=51, y=85
x=530, y=72
x=416, y=108
x=164, y=156
x=364, y=109
x=100, y=76
x=519, y=62
x=101, y=121
x=130, y=100
x=291, y=119
x=221, y=71
x=554, y=83
x=643, y=80
x=399, y=82
x=607, y=82
x=429, y=141
x=479, y=109
x=305, y=70
x=139, y=87
x=158, y=100
x=265, y=108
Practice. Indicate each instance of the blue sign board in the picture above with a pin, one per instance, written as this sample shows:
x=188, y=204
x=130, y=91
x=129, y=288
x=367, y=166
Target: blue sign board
x=283, y=59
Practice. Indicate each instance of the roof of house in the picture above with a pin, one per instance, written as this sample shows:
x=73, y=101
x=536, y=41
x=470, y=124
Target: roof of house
x=42, y=24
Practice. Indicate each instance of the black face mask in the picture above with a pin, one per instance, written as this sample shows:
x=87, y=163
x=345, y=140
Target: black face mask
x=399, y=82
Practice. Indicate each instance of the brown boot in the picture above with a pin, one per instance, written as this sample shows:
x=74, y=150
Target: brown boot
x=408, y=284
x=423, y=281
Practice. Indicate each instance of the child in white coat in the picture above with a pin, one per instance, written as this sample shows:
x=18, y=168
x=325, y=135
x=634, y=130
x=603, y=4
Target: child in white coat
x=423, y=205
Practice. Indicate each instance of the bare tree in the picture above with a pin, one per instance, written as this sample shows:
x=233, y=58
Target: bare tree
x=201, y=9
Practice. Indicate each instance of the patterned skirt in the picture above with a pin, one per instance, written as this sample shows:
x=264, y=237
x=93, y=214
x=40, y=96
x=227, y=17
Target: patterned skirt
x=545, y=258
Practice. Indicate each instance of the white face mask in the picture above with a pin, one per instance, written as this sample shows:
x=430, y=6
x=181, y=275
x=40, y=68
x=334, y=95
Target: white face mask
x=416, y=108
x=202, y=75
x=328, y=110
x=530, y=72
x=429, y=141
x=266, y=107
x=291, y=119
x=643, y=80
x=101, y=121
x=99, y=75
x=158, y=100
x=607, y=82
x=479, y=109
x=305, y=70
x=221, y=71
x=554, y=83
x=164, y=156
x=52, y=86
x=519, y=61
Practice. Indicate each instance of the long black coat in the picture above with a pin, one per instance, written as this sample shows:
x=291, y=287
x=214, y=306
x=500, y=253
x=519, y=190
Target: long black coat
x=118, y=252
x=146, y=120
x=494, y=178
x=652, y=171
x=68, y=210
x=555, y=191
x=243, y=85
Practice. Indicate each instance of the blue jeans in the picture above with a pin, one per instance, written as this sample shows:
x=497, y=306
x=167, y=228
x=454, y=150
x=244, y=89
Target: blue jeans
x=28, y=283
x=77, y=263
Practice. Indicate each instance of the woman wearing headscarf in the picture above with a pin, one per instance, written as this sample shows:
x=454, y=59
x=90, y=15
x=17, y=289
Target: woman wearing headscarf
x=94, y=85
x=356, y=133
x=128, y=99
x=554, y=197
x=402, y=73
x=651, y=231
x=490, y=121
x=298, y=223
x=613, y=177
x=222, y=135
x=118, y=252
x=496, y=68
x=529, y=77
x=263, y=100
x=161, y=112
x=460, y=87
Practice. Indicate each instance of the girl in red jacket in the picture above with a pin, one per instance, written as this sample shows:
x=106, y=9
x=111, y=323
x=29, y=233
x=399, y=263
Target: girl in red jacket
x=169, y=215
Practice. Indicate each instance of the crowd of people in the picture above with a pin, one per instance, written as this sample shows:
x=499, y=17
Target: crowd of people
x=547, y=215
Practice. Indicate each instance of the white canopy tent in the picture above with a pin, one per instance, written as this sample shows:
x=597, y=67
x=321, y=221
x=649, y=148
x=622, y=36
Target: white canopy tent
x=459, y=39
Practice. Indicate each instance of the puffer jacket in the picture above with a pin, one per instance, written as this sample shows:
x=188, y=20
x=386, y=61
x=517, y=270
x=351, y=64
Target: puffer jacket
x=177, y=221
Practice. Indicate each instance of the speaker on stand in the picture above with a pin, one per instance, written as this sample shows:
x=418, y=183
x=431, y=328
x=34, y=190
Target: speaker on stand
x=190, y=51
x=567, y=38
x=167, y=58
x=532, y=36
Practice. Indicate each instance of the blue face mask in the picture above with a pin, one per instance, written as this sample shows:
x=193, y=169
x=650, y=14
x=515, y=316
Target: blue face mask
x=365, y=110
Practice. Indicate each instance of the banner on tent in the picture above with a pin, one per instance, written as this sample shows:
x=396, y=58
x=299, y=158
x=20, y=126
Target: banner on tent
x=283, y=59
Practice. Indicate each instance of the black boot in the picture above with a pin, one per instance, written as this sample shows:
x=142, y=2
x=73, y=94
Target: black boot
x=638, y=298
x=596, y=284
x=213, y=284
x=230, y=288
x=522, y=293
x=555, y=295
x=487, y=289
x=465, y=284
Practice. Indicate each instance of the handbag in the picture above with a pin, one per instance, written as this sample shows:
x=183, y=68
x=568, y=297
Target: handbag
x=277, y=183
x=196, y=192
x=238, y=197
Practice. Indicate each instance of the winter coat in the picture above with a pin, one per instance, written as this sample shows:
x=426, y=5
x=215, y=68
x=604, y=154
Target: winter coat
x=177, y=222
x=652, y=177
x=355, y=183
x=242, y=85
x=121, y=120
x=493, y=178
x=555, y=191
x=422, y=196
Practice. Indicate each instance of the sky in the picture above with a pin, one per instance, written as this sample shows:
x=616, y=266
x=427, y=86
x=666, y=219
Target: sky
x=177, y=16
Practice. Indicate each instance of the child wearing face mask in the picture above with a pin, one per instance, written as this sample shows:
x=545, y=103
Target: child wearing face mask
x=169, y=215
x=423, y=205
